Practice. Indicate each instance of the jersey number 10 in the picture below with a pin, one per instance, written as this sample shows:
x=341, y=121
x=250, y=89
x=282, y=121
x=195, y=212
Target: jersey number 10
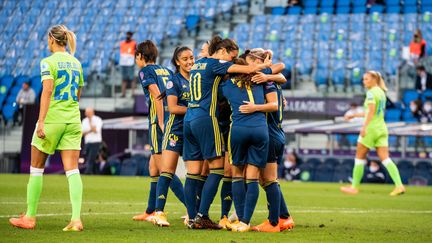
x=196, y=87
x=58, y=95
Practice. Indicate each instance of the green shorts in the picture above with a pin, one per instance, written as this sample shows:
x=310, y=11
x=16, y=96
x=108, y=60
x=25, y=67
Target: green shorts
x=59, y=137
x=374, y=138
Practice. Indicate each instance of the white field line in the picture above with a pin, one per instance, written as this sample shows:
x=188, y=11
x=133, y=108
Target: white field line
x=298, y=210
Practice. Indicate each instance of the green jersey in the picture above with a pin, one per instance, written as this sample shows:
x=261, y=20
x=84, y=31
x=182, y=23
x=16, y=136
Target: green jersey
x=66, y=71
x=376, y=96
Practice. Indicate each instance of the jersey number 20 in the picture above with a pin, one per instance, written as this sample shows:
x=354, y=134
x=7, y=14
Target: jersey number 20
x=58, y=95
x=196, y=87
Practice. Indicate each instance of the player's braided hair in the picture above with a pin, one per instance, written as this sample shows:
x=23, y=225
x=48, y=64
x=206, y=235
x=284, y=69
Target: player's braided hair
x=148, y=51
x=63, y=37
x=217, y=43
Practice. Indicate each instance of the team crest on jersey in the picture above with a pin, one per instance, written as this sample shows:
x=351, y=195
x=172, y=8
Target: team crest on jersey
x=44, y=66
x=173, y=140
x=169, y=85
x=141, y=74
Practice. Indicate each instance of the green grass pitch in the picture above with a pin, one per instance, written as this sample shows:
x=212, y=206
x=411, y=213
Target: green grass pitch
x=320, y=211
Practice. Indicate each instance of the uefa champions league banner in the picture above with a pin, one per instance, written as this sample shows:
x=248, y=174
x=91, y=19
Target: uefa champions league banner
x=321, y=105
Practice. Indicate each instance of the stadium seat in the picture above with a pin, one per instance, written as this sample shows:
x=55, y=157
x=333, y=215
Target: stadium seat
x=333, y=162
x=307, y=172
x=324, y=173
x=314, y=162
x=393, y=115
x=129, y=167
x=406, y=170
x=409, y=95
x=423, y=165
x=376, y=9
x=9, y=111
x=342, y=173
x=142, y=165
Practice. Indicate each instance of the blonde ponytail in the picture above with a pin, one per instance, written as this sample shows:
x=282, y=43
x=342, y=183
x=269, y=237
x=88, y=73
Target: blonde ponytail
x=379, y=79
x=64, y=37
x=71, y=41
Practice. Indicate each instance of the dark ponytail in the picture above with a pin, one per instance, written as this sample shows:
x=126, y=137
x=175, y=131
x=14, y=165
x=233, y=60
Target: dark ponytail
x=217, y=43
x=175, y=57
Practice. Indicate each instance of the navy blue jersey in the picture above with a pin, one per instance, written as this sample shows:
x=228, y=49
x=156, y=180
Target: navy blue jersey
x=154, y=74
x=255, y=94
x=178, y=87
x=274, y=119
x=205, y=76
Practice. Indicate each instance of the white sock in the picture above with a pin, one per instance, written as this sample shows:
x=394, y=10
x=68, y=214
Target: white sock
x=360, y=161
x=36, y=171
x=72, y=172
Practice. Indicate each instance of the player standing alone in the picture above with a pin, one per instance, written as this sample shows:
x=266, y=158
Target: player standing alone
x=58, y=126
x=373, y=134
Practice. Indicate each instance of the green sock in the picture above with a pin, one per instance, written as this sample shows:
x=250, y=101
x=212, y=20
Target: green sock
x=75, y=192
x=358, y=172
x=393, y=171
x=34, y=190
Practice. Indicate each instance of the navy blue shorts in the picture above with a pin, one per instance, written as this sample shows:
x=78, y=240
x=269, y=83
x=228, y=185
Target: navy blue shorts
x=202, y=139
x=248, y=145
x=276, y=150
x=155, y=138
x=173, y=139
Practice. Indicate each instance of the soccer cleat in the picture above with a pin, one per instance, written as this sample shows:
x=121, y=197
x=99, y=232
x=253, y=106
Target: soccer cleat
x=398, y=191
x=349, y=190
x=266, y=226
x=286, y=224
x=204, y=222
x=240, y=227
x=144, y=217
x=191, y=224
x=185, y=219
x=233, y=217
x=223, y=222
x=23, y=222
x=160, y=219
x=74, y=225
x=229, y=224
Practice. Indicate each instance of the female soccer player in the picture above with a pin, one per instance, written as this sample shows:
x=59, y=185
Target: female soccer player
x=279, y=218
x=373, y=134
x=248, y=141
x=201, y=131
x=58, y=126
x=178, y=95
x=153, y=79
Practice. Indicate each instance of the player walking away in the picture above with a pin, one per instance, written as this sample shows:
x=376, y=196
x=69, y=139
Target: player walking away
x=374, y=134
x=247, y=141
x=279, y=218
x=201, y=131
x=153, y=79
x=178, y=95
x=58, y=126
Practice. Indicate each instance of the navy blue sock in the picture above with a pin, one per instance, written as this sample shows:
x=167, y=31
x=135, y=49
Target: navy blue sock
x=151, y=204
x=273, y=200
x=252, y=194
x=200, y=185
x=162, y=190
x=177, y=187
x=190, y=194
x=284, y=214
x=226, y=196
x=239, y=195
x=210, y=189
